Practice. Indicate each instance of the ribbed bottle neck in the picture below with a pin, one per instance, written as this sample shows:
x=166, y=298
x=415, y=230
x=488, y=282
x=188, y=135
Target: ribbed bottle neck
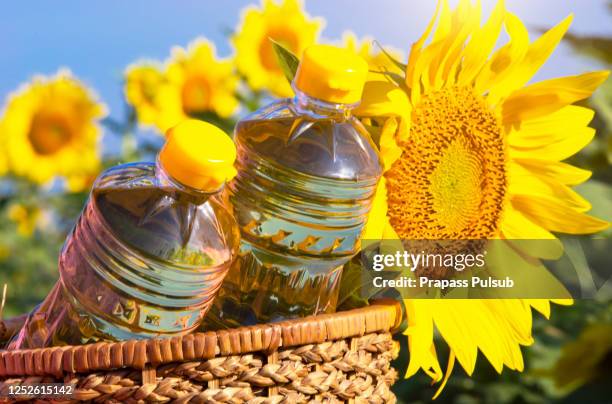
x=165, y=180
x=303, y=104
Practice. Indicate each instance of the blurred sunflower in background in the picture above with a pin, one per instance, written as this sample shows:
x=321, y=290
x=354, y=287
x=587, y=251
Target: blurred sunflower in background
x=49, y=129
x=473, y=152
x=142, y=83
x=197, y=83
x=27, y=218
x=380, y=59
x=194, y=83
x=585, y=360
x=286, y=23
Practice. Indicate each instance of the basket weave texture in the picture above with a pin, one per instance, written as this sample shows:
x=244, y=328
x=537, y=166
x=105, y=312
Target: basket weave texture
x=341, y=357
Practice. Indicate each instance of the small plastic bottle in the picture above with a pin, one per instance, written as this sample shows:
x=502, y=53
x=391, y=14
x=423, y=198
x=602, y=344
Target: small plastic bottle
x=307, y=173
x=150, y=250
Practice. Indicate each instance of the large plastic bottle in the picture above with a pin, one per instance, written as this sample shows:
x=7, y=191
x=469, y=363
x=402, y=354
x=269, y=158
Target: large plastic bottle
x=307, y=173
x=150, y=250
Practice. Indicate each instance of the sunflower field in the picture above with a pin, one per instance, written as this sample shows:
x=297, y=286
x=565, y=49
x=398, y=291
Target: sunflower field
x=475, y=143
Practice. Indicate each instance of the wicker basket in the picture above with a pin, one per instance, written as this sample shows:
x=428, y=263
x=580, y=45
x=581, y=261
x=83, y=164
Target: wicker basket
x=343, y=357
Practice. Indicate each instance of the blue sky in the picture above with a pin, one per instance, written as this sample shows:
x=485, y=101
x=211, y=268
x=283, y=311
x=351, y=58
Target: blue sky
x=96, y=40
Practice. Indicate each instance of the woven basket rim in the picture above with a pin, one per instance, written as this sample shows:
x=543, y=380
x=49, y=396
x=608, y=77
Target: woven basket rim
x=381, y=316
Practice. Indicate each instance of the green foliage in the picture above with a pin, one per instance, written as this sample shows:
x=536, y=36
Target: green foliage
x=287, y=60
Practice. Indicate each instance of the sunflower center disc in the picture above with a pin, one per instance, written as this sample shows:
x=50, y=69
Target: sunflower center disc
x=267, y=55
x=49, y=132
x=450, y=181
x=196, y=95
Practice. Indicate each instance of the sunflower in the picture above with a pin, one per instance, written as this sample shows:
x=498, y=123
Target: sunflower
x=50, y=128
x=26, y=218
x=378, y=58
x=586, y=359
x=196, y=83
x=286, y=23
x=142, y=83
x=472, y=151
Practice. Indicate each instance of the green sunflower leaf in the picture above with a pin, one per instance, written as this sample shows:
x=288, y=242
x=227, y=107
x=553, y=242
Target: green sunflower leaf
x=402, y=66
x=286, y=59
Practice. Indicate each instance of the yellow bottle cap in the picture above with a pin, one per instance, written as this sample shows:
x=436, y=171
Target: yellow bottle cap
x=199, y=155
x=331, y=74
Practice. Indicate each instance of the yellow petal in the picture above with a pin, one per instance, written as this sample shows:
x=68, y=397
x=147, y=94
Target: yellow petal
x=403, y=131
x=444, y=24
x=555, y=216
x=418, y=71
x=415, y=50
x=451, y=320
x=453, y=29
x=479, y=48
x=389, y=232
x=520, y=323
x=382, y=98
x=422, y=69
x=551, y=95
x=515, y=226
x=566, y=119
x=556, y=146
x=539, y=51
x=522, y=182
x=557, y=171
x=449, y=370
x=465, y=21
x=505, y=60
x=452, y=24
x=511, y=321
x=420, y=339
x=541, y=305
x=389, y=150
x=377, y=218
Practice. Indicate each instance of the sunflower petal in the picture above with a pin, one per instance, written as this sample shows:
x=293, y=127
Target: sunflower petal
x=423, y=67
x=415, y=50
x=556, y=216
x=465, y=21
x=420, y=339
x=549, y=96
x=449, y=317
x=539, y=51
x=555, y=147
x=444, y=24
x=377, y=218
x=480, y=46
x=566, y=118
x=520, y=323
x=541, y=305
x=422, y=72
x=389, y=150
x=523, y=182
x=383, y=99
x=449, y=371
x=563, y=302
x=389, y=232
x=555, y=170
x=516, y=226
x=505, y=60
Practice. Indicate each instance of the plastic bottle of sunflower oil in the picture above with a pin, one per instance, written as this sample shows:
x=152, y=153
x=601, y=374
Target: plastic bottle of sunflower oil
x=307, y=172
x=150, y=250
